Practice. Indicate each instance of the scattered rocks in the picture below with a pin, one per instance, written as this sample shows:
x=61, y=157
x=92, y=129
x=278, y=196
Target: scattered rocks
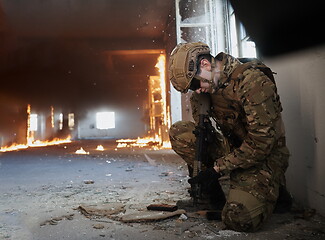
x=98, y=226
x=149, y=216
x=56, y=220
x=89, y=181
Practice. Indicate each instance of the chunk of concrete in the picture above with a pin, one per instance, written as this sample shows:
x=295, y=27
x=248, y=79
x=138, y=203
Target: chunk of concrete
x=102, y=210
x=149, y=216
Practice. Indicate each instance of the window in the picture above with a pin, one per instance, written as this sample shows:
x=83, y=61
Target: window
x=195, y=22
x=105, y=120
x=33, y=122
x=61, y=121
x=71, y=120
x=248, y=48
x=239, y=43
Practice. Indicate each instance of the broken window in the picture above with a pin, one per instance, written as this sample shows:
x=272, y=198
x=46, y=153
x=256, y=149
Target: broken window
x=195, y=21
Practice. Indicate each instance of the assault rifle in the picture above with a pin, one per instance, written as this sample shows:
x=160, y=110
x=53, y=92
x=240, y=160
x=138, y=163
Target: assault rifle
x=202, y=132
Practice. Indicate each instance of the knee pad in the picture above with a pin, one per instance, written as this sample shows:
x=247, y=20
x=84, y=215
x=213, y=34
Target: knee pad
x=181, y=128
x=243, y=212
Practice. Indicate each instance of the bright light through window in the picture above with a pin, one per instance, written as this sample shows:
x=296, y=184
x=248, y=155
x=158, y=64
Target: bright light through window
x=105, y=120
x=33, y=122
x=71, y=120
x=61, y=121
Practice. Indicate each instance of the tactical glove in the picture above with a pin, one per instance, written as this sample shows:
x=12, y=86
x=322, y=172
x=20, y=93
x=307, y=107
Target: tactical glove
x=209, y=181
x=206, y=177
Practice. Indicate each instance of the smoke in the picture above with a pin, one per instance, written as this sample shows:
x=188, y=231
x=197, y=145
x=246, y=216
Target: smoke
x=58, y=54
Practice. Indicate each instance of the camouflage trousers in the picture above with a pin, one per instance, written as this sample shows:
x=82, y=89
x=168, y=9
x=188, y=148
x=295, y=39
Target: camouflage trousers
x=252, y=192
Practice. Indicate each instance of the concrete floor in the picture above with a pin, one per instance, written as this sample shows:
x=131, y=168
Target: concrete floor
x=41, y=189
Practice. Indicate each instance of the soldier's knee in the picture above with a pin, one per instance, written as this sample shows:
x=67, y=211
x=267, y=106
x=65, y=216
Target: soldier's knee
x=182, y=131
x=237, y=217
x=243, y=212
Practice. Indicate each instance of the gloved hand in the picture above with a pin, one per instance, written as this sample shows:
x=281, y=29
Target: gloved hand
x=205, y=177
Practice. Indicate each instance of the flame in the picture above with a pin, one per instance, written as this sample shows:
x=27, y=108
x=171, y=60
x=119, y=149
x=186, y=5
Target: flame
x=153, y=142
x=36, y=143
x=100, y=148
x=81, y=151
x=159, y=121
x=161, y=68
x=31, y=142
x=30, y=134
x=52, y=116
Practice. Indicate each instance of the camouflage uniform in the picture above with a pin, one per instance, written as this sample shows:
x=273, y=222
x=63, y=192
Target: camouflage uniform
x=254, y=154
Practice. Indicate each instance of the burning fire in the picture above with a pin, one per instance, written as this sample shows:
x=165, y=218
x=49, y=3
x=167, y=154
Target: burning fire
x=155, y=143
x=100, y=148
x=139, y=142
x=37, y=143
x=81, y=151
x=31, y=142
x=158, y=113
x=161, y=68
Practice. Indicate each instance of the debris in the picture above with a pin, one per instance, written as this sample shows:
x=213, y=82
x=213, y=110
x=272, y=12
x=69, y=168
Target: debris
x=103, y=210
x=149, y=216
x=182, y=217
x=98, y=226
x=306, y=214
x=228, y=233
x=165, y=174
x=56, y=220
x=162, y=207
x=89, y=181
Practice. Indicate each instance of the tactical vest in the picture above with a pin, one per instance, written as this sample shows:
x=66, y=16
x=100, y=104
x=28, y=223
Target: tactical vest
x=227, y=109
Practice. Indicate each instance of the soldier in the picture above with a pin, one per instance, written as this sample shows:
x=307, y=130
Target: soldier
x=250, y=146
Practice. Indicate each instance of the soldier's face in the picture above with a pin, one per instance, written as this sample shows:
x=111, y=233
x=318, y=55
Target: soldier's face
x=206, y=73
x=205, y=87
x=205, y=68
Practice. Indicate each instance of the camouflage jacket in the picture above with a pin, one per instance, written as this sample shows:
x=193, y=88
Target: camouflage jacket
x=248, y=111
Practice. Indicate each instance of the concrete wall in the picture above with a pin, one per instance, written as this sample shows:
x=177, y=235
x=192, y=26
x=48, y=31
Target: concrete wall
x=128, y=124
x=301, y=85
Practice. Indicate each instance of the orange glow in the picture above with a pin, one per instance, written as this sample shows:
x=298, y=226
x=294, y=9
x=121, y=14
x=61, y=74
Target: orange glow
x=30, y=134
x=31, y=142
x=153, y=142
x=158, y=113
x=139, y=142
x=161, y=68
x=52, y=116
x=37, y=143
x=81, y=151
x=100, y=148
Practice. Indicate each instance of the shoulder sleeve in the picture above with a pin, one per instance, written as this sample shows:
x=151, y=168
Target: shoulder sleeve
x=260, y=102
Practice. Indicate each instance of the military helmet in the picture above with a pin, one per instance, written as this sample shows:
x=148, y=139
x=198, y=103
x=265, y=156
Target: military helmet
x=183, y=64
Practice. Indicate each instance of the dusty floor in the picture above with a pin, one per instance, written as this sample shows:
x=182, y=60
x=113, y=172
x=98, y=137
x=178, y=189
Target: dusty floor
x=41, y=190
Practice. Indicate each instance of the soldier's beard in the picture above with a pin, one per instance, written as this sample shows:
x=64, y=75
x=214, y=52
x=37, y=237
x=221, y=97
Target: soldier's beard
x=211, y=77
